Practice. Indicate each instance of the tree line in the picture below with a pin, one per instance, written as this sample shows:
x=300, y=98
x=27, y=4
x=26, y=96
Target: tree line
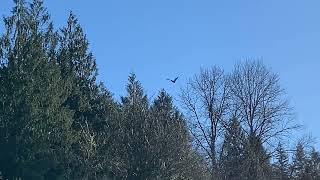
x=58, y=122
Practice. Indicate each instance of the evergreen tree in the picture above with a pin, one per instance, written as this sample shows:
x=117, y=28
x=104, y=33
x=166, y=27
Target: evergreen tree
x=36, y=134
x=314, y=164
x=48, y=84
x=281, y=168
x=79, y=68
x=299, y=164
x=165, y=127
x=91, y=103
x=232, y=156
x=170, y=148
x=257, y=162
x=154, y=139
x=58, y=122
x=135, y=141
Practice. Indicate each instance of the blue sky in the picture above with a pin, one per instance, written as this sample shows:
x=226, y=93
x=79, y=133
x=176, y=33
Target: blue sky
x=159, y=39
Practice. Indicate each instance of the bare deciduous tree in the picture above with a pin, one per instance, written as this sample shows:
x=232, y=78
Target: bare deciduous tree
x=264, y=112
x=205, y=99
x=260, y=101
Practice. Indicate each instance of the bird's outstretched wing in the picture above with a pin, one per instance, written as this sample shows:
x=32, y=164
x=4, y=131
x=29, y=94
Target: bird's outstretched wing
x=175, y=79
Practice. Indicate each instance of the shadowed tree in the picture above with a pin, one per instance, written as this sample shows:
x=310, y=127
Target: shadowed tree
x=233, y=152
x=91, y=103
x=281, y=167
x=154, y=139
x=36, y=129
x=171, y=151
x=314, y=164
x=135, y=109
x=299, y=164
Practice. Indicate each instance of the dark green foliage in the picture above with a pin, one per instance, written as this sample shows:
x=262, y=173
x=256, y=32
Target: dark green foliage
x=44, y=108
x=155, y=143
x=135, y=140
x=256, y=160
x=300, y=169
x=233, y=152
x=79, y=68
x=91, y=103
x=314, y=164
x=36, y=134
x=281, y=167
x=305, y=166
x=299, y=162
x=58, y=122
x=167, y=127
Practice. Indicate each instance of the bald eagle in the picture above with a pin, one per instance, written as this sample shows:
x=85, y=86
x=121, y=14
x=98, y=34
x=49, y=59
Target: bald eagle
x=173, y=81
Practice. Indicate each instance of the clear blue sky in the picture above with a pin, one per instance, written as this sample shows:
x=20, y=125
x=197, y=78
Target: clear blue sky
x=159, y=39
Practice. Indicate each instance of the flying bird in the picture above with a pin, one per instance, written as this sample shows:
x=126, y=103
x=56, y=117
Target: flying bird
x=173, y=81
